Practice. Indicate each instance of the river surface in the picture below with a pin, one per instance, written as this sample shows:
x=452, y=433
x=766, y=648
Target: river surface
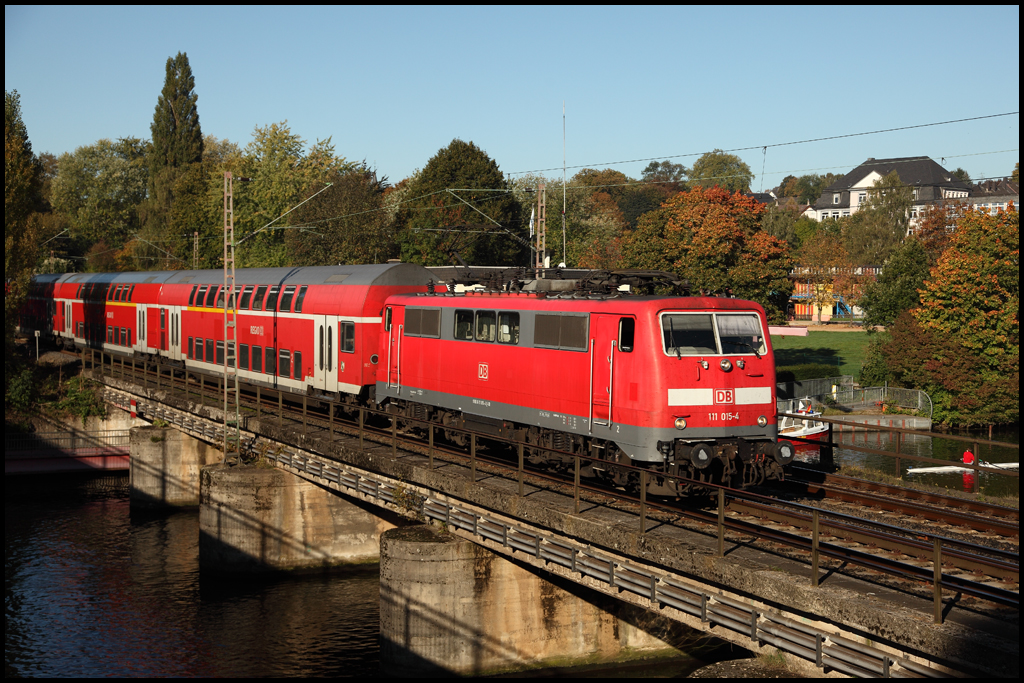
x=938, y=448
x=91, y=589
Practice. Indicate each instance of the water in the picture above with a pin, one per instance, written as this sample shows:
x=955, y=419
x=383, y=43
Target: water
x=939, y=448
x=94, y=590
x=91, y=590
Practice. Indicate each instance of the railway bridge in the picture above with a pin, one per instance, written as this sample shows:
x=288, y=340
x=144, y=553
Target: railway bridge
x=488, y=567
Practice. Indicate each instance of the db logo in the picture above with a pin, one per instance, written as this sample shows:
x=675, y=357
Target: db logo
x=481, y=371
x=723, y=396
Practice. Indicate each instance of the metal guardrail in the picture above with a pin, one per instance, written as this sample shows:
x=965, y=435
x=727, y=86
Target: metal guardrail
x=67, y=441
x=812, y=387
x=865, y=397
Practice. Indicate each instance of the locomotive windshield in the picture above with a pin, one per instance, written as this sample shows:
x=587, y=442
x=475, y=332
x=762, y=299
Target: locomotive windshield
x=697, y=334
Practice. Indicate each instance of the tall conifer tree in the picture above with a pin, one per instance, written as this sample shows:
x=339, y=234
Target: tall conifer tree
x=177, y=137
x=177, y=143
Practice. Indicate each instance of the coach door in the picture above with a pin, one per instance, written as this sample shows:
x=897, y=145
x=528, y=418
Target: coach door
x=325, y=370
x=174, y=332
x=394, y=318
x=140, y=328
x=611, y=343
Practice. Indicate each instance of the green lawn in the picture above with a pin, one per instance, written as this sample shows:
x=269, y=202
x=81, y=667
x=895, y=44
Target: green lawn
x=845, y=350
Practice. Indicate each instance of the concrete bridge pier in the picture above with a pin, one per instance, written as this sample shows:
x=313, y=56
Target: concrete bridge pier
x=449, y=606
x=164, y=467
x=256, y=519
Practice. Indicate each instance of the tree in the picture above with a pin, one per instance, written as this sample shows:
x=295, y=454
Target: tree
x=823, y=263
x=346, y=224
x=461, y=204
x=961, y=174
x=896, y=289
x=973, y=293
x=99, y=189
x=724, y=170
x=875, y=230
x=177, y=143
x=938, y=221
x=962, y=343
x=23, y=178
x=281, y=171
x=177, y=136
x=713, y=238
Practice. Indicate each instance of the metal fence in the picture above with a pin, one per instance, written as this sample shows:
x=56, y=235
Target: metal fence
x=67, y=441
x=848, y=398
x=812, y=387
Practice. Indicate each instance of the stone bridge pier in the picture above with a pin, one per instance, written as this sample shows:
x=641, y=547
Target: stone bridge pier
x=258, y=518
x=449, y=606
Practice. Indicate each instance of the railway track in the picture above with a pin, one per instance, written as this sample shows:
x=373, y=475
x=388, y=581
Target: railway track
x=972, y=569
x=928, y=508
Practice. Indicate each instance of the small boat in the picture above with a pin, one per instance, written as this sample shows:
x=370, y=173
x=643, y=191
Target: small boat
x=803, y=427
x=945, y=469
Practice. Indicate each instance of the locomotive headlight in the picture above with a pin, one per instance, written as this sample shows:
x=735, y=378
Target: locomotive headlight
x=680, y=423
x=726, y=364
x=762, y=421
x=740, y=364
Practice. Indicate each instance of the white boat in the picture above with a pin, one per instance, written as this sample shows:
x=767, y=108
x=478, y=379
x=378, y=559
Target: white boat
x=803, y=427
x=945, y=469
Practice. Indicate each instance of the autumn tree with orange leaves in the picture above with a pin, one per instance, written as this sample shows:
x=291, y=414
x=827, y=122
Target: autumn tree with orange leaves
x=962, y=344
x=713, y=238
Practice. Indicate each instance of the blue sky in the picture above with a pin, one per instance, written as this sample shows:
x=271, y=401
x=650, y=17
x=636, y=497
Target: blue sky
x=393, y=85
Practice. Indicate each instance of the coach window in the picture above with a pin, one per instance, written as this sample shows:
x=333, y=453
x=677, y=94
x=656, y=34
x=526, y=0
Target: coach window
x=124, y=336
x=246, y=296
x=508, y=328
x=297, y=364
x=627, y=330
x=272, y=298
x=243, y=356
x=220, y=353
x=270, y=367
x=110, y=334
x=298, y=301
x=330, y=348
x=464, y=325
x=257, y=301
x=131, y=293
x=199, y=349
x=191, y=348
x=211, y=296
x=286, y=299
x=485, y=325
x=201, y=296
x=320, y=347
x=209, y=351
x=192, y=295
x=387, y=319
x=221, y=293
x=232, y=355
x=285, y=366
x=257, y=358
x=347, y=332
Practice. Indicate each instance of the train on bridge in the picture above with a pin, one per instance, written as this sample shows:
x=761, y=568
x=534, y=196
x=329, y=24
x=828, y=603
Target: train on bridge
x=681, y=385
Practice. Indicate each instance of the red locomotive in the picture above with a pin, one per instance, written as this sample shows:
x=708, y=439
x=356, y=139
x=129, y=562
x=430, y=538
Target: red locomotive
x=682, y=385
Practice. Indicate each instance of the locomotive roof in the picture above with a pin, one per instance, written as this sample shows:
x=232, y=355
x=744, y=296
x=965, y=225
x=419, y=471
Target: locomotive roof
x=382, y=274
x=574, y=302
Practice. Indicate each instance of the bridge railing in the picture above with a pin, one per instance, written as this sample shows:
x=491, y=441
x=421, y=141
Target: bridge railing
x=67, y=441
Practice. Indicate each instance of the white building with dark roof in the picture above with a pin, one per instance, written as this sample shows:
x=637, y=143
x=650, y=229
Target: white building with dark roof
x=994, y=196
x=931, y=182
